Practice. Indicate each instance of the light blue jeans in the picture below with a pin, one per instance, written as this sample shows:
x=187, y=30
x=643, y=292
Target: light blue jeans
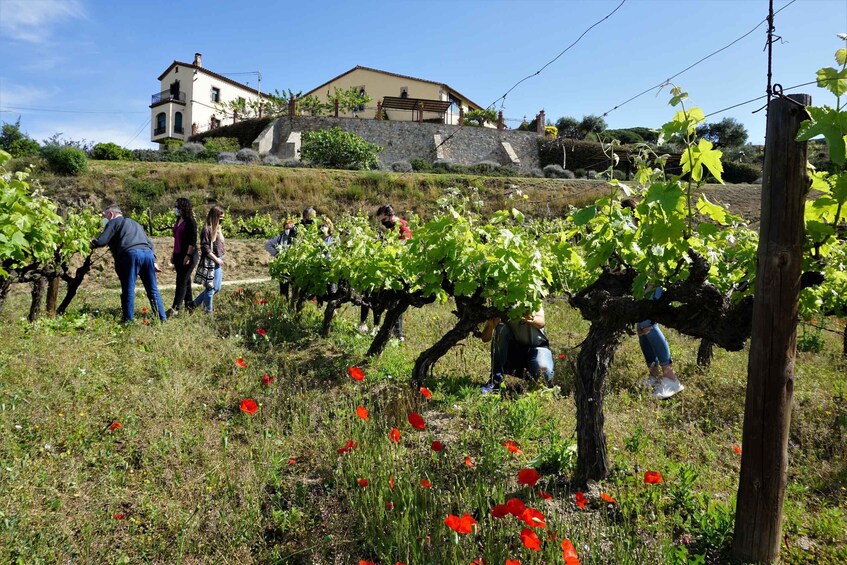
x=653, y=344
x=205, y=297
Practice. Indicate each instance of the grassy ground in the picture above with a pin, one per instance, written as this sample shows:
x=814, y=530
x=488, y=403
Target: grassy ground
x=188, y=477
x=247, y=189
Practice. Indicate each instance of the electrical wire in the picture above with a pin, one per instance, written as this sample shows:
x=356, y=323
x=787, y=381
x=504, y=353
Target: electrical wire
x=138, y=132
x=691, y=66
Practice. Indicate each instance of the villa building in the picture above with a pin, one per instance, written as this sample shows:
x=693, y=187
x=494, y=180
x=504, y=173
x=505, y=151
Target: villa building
x=400, y=97
x=187, y=102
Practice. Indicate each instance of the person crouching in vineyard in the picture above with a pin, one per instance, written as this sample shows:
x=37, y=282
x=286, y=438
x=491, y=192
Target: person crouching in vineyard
x=211, y=258
x=284, y=239
x=134, y=256
x=517, y=347
x=389, y=220
x=184, y=257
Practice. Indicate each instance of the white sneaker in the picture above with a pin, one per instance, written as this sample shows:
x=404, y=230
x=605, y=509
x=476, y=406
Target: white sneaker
x=373, y=331
x=666, y=388
x=650, y=382
x=362, y=329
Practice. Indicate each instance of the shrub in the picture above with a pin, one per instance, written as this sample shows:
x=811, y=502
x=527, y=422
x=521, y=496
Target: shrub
x=172, y=144
x=339, y=149
x=626, y=136
x=110, y=152
x=421, y=165
x=64, y=160
x=566, y=174
x=293, y=163
x=401, y=167
x=554, y=172
x=146, y=155
x=442, y=164
x=17, y=143
x=221, y=144
x=192, y=147
x=536, y=173
x=551, y=131
x=580, y=173
x=740, y=172
x=227, y=158
x=271, y=160
x=247, y=155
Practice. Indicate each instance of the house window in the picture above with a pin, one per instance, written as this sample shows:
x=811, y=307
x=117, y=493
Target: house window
x=404, y=92
x=178, y=122
x=161, y=123
x=216, y=94
x=360, y=107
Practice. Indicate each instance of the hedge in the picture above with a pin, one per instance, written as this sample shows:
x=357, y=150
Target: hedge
x=245, y=131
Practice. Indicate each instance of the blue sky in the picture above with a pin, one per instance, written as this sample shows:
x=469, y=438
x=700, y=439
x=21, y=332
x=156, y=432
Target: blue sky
x=104, y=56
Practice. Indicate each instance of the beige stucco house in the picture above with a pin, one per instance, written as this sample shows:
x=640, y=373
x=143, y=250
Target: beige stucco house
x=395, y=91
x=188, y=98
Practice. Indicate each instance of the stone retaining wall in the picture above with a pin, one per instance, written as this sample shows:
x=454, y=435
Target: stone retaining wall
x=403, y=141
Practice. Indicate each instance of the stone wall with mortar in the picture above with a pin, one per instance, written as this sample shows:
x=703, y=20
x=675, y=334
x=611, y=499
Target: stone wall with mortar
x=403, y=141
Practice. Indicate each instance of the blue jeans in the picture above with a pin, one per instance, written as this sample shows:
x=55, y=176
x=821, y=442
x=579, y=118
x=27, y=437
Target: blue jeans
x=132, y=263
x=205, y=297
x=508, y=356
x=653, y=344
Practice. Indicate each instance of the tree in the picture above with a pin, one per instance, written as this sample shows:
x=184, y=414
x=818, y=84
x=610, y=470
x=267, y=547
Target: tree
x=338, y=149
x=568, y=127
x=726, y=133
x=480, y=117
x=591, y=124
x=15, y=142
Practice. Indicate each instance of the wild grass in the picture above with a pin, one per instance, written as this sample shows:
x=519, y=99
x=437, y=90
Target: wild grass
x=190, y=478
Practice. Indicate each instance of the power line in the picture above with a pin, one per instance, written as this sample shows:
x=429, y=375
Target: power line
x=138, y=132
x=67, y=111
x=691, y=66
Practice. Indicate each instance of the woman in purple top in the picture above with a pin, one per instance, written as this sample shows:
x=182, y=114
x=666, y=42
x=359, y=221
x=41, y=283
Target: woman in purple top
x=184, y=257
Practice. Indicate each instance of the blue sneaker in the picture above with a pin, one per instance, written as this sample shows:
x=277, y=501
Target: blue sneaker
x=492, y=386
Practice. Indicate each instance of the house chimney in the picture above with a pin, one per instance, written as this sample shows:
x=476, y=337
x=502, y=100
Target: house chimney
x=198, y=60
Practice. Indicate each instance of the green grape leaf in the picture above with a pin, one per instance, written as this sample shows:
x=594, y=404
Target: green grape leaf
x=833, y=80
x=839, y=192
x=829, y=123
x=585, y=215
x=713, y=211
x=841, y=57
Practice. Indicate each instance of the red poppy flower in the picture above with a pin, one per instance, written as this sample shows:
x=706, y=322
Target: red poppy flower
x=607, y=498
x=530, y=540
x=469, y=462
x=391, y=483
x=362, y=412
x=262, y=332
x=356, y=373
x=545, y=495
x=425, y=391
x=528, y=477
x=267, y=380
x=240, y=362
x=145, y=321
x=533, y=518
x=143, y=310
x=263, y=301
x=569, y=554
x=249, y=406
x=363, y=562
x=437, y=446
x=580, y=499
x=389, y=505
x=394, y=435
x=652, y=477
x=292, y=461
x=348, y=447
x=115, y=426
x=425, y=483
x=551, y=535
x=463, y=525
x=736, y=449
x=515, y=506
x=118, y=516
x=362, y=482
x=512, y=562
x=500, y=511
x=417, y=421
x=511, y=446
x=561, y=355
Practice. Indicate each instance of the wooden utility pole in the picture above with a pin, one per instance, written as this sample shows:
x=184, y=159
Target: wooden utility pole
x=770, y=369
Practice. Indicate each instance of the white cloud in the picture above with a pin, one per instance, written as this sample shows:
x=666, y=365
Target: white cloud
x=31, y=20
x=96, y=129
x=23, y=95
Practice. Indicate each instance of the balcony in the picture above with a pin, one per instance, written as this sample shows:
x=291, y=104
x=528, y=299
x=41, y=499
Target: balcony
x=159, y=131
x=179, y=129
x=167, y=96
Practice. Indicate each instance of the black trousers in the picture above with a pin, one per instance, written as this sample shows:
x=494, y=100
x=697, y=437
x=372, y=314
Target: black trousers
x=183, y=294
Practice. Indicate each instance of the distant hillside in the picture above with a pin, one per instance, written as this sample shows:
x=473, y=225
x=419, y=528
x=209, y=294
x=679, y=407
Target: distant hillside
x=245, y=189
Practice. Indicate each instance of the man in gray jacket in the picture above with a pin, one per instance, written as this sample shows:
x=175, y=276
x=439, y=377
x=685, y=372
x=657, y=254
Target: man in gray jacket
x=133, y=253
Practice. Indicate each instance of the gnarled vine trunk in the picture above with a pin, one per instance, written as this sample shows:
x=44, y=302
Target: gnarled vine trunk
x=74, y=283
x=38, y=286
x=705, y=352
x=593, y=362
